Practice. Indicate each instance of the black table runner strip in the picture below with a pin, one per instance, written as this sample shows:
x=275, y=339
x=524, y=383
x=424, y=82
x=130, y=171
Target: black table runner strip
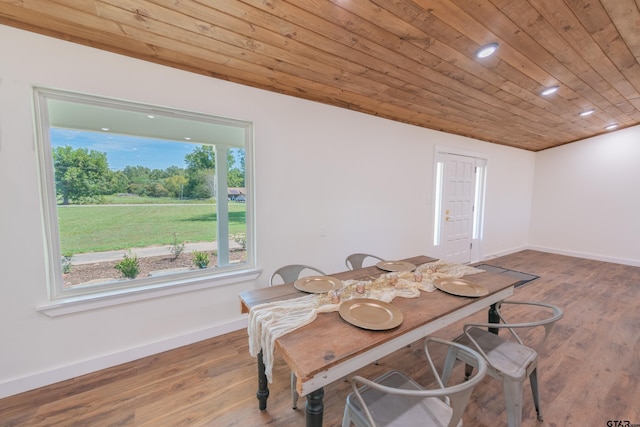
x=524, y=278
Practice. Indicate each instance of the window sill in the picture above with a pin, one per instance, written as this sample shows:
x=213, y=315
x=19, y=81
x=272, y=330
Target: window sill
x=76, y=304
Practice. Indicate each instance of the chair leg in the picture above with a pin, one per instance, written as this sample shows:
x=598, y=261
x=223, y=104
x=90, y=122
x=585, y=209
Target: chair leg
x=346, y=418
x=449, y=362
x=513, y=399
x=533, y=379
x=294, y=392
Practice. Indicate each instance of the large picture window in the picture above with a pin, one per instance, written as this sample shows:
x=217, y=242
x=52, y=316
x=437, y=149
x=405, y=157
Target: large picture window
x=138, y=196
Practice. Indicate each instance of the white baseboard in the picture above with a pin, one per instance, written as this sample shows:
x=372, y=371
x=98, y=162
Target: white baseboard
x=585, y=255
x=503, y=253
x=41, y=379
x=577, y=254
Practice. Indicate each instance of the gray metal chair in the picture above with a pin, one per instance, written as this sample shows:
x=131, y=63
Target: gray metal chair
x=291, y=273
x=508, y=359
x=355, y=261
x=396, y=400
x=287, y=274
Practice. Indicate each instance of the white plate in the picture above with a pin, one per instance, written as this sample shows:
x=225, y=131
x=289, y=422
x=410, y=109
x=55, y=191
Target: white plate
x=460, y=287
x=395, y=266
x=372, y=314
x=317, y=284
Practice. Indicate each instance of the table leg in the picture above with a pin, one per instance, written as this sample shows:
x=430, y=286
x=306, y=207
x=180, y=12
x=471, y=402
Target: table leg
x=493, y=318
x=314, y=408
x=263, y=388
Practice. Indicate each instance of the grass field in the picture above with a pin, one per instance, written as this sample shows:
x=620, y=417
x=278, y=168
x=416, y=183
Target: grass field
x=95, y=228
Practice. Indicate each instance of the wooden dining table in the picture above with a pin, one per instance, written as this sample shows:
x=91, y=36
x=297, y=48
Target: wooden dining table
x=329, y=348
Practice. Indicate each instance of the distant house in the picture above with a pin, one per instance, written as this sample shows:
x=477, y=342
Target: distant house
x=236, y=194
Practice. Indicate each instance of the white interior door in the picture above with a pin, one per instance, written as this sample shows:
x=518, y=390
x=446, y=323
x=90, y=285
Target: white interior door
x=458, y=195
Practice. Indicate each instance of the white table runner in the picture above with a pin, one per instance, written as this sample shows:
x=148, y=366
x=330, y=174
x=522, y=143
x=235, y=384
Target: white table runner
x=269, y=321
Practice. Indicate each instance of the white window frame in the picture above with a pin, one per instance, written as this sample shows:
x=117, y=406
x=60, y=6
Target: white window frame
x=63, y=301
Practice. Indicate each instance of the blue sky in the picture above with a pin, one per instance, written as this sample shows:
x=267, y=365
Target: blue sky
x=125, y=150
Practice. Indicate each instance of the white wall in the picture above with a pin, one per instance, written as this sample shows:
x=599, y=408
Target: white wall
x=586, y=198
x=366, y=181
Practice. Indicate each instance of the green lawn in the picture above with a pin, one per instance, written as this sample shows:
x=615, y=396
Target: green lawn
x=95, y=228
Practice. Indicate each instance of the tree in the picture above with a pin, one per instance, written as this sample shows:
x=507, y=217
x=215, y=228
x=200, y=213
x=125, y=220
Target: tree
x=175, y=185
x=201, y=184
x=235, y=178
x=159, y=190
x=201, y=163
x=239, y=153
x=137, y=174
x=80, y=173
x=203, y=157
x=231, y=158
x=118, y=182
x=173, y=170
x=140, y=181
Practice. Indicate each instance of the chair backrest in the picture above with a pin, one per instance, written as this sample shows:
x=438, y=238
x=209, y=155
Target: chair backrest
x=291, y=273
x=456, y=396
x=355, y=261
x=555, y=314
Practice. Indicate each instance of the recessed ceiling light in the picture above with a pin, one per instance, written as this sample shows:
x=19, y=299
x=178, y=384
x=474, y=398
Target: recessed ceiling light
x=587, y=113
x=487, y=50
x=187, y=138
x=151, y=116
x=550, y=90
x=105, y=129
x=612, y=127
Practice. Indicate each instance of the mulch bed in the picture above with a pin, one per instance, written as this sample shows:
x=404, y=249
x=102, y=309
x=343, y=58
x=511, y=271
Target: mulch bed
x=83, y=273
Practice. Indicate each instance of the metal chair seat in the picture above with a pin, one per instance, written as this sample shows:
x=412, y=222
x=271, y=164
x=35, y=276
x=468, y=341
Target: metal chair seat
x=394, y=399
x=508, y=359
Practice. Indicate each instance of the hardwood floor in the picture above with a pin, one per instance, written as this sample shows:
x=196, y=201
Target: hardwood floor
x=589, y=368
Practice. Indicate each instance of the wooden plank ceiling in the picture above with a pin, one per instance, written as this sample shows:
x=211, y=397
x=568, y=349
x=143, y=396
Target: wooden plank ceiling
x=407, y=60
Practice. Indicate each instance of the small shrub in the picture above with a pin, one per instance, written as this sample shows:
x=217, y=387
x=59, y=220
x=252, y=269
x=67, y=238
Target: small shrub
x=66, y=263
x=240, y=239
x=200, y=259
x=177, y=248
x=129, y=266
